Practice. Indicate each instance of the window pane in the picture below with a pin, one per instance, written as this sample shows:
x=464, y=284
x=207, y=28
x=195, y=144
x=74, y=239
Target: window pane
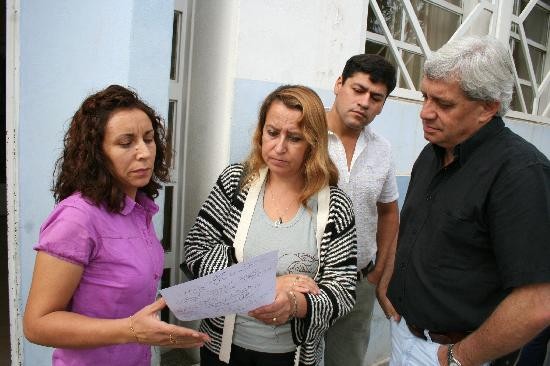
x=415, y=65
x=519, y=59
x=537, y=59
x=167, y=225
x=175, y=42
x=172, y=109
x=164, y=283
x=384, y=51
x=380, y=49
x=536, y=25
x=528, y=97
x=392, y=12
x=413, y=62
x=438, y=24
x=515, y=105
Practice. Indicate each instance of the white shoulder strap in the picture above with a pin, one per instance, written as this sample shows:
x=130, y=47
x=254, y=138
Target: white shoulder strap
x=238, y=244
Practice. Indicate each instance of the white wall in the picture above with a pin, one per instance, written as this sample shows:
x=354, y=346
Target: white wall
x=299, y=41
x=68, y=50
x=210, y=96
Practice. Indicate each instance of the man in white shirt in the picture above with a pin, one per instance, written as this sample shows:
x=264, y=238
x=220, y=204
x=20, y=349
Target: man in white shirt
x=367, y=175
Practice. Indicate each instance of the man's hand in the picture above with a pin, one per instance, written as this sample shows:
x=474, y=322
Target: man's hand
x=384, y=302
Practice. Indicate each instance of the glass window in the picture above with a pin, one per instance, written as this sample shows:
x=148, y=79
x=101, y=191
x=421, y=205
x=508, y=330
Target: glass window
x=380, y=49
x=537, y=59
x=415, y=64
x=167, y=225
x=527, y=96
x=438, y=22
x=519, y=59
x=176, y=25
x=536, y=25
x=164, y=283
x=392, y=11
x=172, y=109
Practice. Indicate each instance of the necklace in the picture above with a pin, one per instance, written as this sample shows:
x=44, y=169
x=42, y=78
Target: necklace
x=279, y=221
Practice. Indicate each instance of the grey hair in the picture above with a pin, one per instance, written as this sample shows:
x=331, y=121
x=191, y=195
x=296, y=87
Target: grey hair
x=482, y=66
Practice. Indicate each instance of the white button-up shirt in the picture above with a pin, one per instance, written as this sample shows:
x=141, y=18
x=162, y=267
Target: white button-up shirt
x=370, y=179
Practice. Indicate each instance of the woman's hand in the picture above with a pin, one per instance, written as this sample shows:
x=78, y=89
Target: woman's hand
x=278, y=312
x=146, y=327
x=289, y=290
x=297, y=283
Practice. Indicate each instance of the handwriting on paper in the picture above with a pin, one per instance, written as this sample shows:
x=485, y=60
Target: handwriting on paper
x=233, y=290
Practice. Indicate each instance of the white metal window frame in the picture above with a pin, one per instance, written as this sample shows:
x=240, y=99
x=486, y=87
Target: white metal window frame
x=500, y=24
x=525, y=43
x=178, y=94
x=13, y=8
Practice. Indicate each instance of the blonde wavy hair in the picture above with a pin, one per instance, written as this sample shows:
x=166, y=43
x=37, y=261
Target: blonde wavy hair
x=319, y=170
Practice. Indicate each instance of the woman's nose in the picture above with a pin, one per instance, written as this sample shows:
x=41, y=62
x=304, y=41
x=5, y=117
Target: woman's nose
x=142, y=150
x=281, y=143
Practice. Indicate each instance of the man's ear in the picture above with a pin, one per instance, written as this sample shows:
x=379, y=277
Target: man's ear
x=490, y=109
x=338, y=85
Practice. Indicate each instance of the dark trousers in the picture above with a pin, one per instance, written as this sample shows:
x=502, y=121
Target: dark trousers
x=245, y=357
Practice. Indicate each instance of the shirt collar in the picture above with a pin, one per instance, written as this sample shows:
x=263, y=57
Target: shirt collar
x=142, y=201
x=464, y=150
x=365, y=133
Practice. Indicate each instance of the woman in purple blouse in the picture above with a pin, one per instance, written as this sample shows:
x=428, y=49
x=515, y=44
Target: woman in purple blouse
x=99, y=260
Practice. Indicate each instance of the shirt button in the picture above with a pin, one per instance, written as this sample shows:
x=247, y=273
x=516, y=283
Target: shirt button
x=428, y=197
x=402, y=265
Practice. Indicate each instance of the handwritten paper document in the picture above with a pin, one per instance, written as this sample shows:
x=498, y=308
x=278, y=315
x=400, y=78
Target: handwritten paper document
x=235, y=290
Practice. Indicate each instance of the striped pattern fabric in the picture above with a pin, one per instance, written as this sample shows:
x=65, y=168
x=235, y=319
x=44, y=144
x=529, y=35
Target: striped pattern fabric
x=209, y=248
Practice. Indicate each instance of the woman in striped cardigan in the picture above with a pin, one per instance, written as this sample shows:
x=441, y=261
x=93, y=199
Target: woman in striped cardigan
x=283, y=197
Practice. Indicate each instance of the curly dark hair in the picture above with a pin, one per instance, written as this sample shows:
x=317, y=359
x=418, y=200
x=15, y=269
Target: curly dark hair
x=83, y=167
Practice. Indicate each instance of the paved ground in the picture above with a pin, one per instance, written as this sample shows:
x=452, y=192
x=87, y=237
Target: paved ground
x=175, y=358
x=178, y=358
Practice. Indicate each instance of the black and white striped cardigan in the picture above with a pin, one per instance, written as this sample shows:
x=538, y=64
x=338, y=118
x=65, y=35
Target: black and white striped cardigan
x=209, y=248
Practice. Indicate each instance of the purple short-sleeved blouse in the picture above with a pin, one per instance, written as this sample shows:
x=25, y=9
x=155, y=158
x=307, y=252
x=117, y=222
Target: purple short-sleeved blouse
x=123, y=263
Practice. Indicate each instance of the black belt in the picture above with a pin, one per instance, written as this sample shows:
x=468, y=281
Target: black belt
x=438, y=337
x=455, y=337
x=362, y=273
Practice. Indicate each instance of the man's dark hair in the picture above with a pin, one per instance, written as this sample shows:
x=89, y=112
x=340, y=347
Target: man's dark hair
x=377, y=67
x=83, y=166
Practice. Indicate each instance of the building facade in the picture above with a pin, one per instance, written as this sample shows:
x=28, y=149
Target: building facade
x=206, y=65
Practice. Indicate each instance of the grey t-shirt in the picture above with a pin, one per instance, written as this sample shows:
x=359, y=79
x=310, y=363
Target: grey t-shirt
x=295, y=240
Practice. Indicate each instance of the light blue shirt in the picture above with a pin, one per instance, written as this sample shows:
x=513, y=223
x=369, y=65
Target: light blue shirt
x=295, y=240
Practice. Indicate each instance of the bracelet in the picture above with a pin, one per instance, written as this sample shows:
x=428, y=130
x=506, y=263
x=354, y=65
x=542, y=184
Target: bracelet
x=132, y=328
x=295, y=308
